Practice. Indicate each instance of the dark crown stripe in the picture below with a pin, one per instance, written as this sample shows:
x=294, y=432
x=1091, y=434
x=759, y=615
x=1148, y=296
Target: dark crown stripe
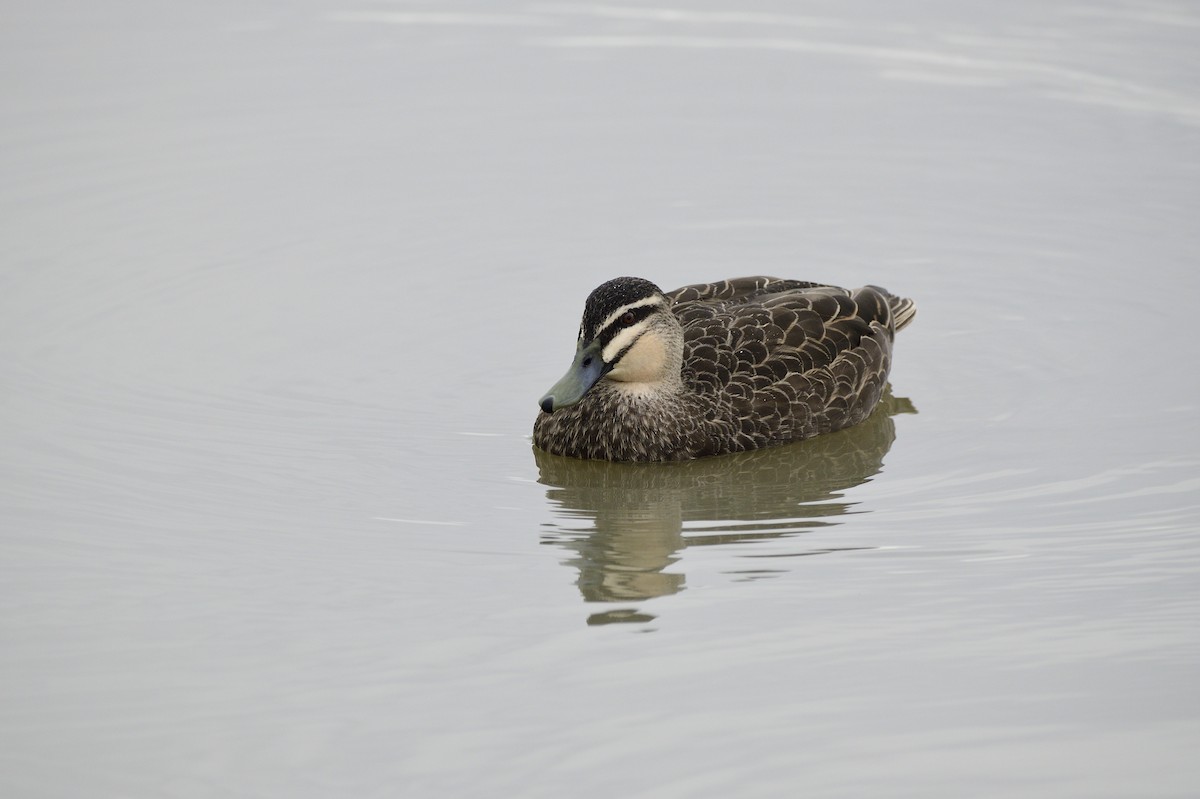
x=614, y=295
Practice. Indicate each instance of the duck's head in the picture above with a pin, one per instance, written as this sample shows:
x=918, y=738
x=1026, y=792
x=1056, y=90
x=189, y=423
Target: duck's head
x=628, y=335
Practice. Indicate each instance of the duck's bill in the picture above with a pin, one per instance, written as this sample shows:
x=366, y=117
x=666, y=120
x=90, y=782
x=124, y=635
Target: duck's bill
x=586, y=370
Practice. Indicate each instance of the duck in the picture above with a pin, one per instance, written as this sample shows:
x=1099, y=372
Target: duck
x=716, y=368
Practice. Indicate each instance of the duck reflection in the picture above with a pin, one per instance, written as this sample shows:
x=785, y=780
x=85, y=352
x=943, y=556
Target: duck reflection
x=625, y=523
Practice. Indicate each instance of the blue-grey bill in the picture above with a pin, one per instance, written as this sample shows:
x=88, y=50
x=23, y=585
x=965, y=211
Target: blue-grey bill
x=586, y=370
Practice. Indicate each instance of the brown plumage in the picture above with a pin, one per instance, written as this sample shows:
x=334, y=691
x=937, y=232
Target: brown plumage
x=720, y=367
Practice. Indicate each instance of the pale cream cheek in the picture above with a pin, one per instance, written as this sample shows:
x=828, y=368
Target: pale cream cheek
x=644, y=363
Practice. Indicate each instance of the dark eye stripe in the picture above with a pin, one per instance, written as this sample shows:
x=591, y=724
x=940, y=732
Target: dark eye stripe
x=616, y=326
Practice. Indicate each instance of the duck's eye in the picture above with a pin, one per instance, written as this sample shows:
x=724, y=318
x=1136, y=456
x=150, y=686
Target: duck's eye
x=627, y=319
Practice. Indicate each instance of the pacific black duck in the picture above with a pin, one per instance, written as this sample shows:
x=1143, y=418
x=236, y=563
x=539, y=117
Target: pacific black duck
x=721, y=367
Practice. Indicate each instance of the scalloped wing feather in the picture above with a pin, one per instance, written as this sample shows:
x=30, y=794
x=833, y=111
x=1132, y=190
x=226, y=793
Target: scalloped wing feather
x=786, y=359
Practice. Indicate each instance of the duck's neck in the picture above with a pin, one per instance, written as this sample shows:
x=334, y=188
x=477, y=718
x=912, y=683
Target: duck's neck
x=646, y=390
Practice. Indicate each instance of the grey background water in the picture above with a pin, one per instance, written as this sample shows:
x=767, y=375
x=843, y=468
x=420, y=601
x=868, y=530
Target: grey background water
x=281, y=284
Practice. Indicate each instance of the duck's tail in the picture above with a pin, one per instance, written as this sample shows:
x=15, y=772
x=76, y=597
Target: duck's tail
x=903, y=311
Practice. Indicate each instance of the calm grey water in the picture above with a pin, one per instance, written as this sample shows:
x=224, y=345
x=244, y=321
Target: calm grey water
x=280, y=285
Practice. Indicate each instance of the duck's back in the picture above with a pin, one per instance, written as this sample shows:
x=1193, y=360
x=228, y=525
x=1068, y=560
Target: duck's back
x=768, y=361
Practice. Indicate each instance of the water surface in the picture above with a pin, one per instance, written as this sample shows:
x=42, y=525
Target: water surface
x=281, y=283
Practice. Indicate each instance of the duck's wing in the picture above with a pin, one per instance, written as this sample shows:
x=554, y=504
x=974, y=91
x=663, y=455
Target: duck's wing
x=772, y=360
x=790, y=363
x=793, y=331
x=724, y=294
x=747, y=347
x=738, y=289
